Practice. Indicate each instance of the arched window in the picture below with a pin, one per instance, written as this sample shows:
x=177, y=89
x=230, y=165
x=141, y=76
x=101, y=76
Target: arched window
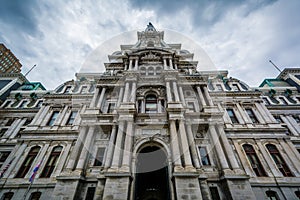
x=143, y=71
x=278, y=160
x=151, y=104
x=28, y=162
x=7, y=196
x=150, y=71
x=272, y=195
x=52, y=161
x=35, y=196
x=254, y=161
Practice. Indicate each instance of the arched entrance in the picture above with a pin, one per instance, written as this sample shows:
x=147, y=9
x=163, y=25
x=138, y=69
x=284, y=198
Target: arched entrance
x=152, y=180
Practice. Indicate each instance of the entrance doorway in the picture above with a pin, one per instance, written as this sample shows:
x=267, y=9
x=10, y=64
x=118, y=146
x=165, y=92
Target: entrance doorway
x=152, y=180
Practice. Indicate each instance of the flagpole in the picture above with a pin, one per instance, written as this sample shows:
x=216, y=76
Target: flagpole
x=27, y=190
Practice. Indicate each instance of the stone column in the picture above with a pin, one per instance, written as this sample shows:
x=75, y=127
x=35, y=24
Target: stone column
x=133, y=92
x=185, y=146
x=171, y=63
x=130, y=64
x=86, y=148
x=118, y=146
x=42, y=116
x=125, y=98
x=290, y=154
x=93, y=102
x=182, y=96
x=99, y=103
x=218, y=147
x=159, y=110
x=165, y=64
x=175, y=145
x=227, y=147
x=209, y=100
x=243, y=113
x=202, y=100
x=110, y=148
x=143, y=105
x=205, y=189
x=37, y=116
x=192, y=145
x=121, y=92
x=61, y=116
x=175, y=90
x=169, y=95
x=263, y=113
x=136, y=64
x=127, y=146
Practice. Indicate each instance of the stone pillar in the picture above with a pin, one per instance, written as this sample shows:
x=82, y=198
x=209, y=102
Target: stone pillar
x=110, y=148
x=185, y=147
x=175, y=146
x=293, y=159
x=165, y=64
x=243, y=114
x=125, y=98
x=42, y=116
x=130, y=64
x=61, y=116
x=263, y=113
x=209, y=100
x=202, y=100
x=171, y=63
x=101, y=97
x=37, y=116
x=127, y=147
x=175, y=90
x=121, y=92
x=169, y=95
x=94, y=99
x=218, y=147
x=192, y=145
x=143, y=106
x=77, y=147
x=136, y=64
x=205, y=189
x=118, y=146
x=182, y=96
x=133, y=92
x=86, y=148
x=227, y=147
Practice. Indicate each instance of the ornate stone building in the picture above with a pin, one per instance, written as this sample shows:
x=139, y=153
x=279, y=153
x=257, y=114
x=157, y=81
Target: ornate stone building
x=152, y=127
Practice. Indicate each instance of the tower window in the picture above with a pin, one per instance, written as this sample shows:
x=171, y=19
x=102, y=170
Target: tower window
x=53, y=118
x=151, y=104
x=281, y=165
x=52, y=161
x=232, y=116
x=204, y=156
x=254, y=161
x=99, y=157
x=28, y=162
x=251, y=115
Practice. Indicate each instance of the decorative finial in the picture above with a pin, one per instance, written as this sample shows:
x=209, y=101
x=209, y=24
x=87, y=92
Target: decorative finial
x=150, y=27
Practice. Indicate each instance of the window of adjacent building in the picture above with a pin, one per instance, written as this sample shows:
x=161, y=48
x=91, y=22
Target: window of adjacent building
x=251, y=115
x=53, y=118
x=90, y=193
x=7, y=196
x=3, y=156
x=297, y=193
x=111, y=107
x=99, y=156
x=28, y=162
x=204, y=156
x=68, y=89
x=219, y=87
x=232, y=116
x=283, y=100
x=281, y=165
x=266, y=101
x=235, y=87
x=71, y=118
x=151, y=104
x=214, y=193
x=253, y=159
x=272, y=195
x=35, y=196
x=191, y=106
x=52, y=162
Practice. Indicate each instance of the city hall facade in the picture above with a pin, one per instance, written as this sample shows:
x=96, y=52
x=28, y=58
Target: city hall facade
x=152, y=126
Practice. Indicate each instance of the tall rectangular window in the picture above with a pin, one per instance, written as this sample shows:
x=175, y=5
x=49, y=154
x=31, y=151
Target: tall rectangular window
x=71, y=118
x=214, y=193
x=232, y=116
x=204, y=156
x=251, y=115
x=90, y=193
x=253, y=159
x=99, y=157
x=53, y=118
x=52, y=161
x=28, y=162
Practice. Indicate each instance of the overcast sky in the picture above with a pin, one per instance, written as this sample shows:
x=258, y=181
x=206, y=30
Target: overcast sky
x=238, y=35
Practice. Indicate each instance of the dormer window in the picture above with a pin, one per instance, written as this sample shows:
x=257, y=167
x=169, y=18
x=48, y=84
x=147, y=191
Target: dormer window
x=67, y=90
